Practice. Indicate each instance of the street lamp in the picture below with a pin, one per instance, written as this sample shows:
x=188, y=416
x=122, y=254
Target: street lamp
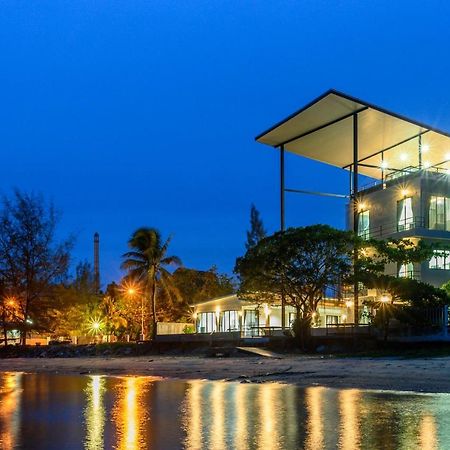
x=385, y=300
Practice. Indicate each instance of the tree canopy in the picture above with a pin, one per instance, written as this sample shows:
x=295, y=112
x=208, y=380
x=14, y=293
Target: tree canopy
x=299, y=263
x=148, y=263
x=32, y=259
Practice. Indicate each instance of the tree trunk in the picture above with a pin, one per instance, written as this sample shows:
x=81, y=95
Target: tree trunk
x=5, y=333
x=153, y=335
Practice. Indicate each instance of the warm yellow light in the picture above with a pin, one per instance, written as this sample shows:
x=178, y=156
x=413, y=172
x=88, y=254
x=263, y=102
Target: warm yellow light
x=95, y=325
x=384, y=164
x=447, y=156
x=403, y=156
x=348, y=303
x=194, y=316
x=361, y=206
x=344, y=317
x=404, y=192
x=217, y=310
x=426, y=164
x=385, y=298
x=425, y=148
x=266, y=309
x=130, y=288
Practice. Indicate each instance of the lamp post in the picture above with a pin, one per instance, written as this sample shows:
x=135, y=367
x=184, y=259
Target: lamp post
x=131, y=291
x=385, y=299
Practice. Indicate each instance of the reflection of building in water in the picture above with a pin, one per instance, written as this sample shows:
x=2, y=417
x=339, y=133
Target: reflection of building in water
x=95, y=413
x=315, y=431
x=10, y=409
x=349, y=403
x=232, y=415
x=428, y=433
x=272, y=416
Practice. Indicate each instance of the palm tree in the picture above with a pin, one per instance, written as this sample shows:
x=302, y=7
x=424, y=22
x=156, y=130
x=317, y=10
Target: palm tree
x=147, y=262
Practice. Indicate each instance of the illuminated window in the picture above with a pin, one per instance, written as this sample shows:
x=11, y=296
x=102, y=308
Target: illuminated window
x=439, y=213
x=440, y=260
x=405, y=214
x=229, y=321
x=363, y=224
x=292, y=317
x=206, y=322
x=406, y=270
x=251, y=322
x=331, y=320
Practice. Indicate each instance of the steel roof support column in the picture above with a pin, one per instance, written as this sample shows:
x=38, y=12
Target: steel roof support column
x=355, y=214
x=420, y=151
x=282, y=228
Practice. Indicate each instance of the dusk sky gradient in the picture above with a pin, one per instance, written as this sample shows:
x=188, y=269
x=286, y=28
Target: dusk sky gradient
x=143, y=113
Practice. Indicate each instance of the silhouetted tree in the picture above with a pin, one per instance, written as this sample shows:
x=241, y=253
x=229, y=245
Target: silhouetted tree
x=147, y=263
x=32, y=261
x=257, y=231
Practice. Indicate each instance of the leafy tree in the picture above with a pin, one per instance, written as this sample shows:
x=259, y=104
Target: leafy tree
x=257, y=231
x=148, y=263
x=76, y=302
x=196, y=286
x=408, y=298
x=32, y=261
x=112, y=313
x=299, y=263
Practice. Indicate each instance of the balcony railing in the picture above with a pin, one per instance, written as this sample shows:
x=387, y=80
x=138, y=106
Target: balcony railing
x=393, y=227
x=405, y=172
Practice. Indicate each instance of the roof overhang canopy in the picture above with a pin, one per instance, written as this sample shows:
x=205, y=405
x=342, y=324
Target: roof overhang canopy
x=323, y=131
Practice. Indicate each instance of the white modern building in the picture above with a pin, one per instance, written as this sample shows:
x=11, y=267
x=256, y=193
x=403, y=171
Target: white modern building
x=231, y=314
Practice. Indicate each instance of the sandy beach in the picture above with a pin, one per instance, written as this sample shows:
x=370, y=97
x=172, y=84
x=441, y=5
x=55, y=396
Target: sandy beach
x=422, y=375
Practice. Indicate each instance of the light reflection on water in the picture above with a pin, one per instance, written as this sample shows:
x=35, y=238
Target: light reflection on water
x=42, y=411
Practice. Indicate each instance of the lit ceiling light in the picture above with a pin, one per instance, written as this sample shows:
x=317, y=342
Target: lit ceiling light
x=404, y=192
x=403, y=156
x=384, y=164
x=447, y=156
x=426, y=164
x=425, y=148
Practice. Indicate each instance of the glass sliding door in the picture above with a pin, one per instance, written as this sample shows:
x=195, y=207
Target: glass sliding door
x=364, y=224
x=251, y=322
x=405, y=219
x=439, y=213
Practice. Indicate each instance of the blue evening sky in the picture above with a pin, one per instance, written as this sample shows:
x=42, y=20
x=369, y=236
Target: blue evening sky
x=143, y=113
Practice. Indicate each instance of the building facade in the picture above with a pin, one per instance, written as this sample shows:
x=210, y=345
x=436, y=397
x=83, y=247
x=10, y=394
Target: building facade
x=412, y=204
x=232, y=314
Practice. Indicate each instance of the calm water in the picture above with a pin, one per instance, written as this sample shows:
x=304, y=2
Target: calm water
x=95, y=412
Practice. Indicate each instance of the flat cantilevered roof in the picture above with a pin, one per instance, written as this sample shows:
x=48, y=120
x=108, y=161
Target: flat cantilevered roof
x=387, y=142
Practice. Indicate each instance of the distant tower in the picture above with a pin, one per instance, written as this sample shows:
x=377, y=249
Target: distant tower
x=96, y=262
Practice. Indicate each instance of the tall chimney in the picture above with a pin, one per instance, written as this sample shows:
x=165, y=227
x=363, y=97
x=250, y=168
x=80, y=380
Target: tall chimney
x=96, y=262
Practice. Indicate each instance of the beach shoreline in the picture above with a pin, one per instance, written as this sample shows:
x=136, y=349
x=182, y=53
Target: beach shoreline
x=397, y=374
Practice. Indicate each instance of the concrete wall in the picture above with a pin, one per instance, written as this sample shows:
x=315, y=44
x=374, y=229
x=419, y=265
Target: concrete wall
x=172, y=327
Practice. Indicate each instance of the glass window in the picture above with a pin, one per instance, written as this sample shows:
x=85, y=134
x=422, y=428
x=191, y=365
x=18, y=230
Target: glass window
x=206, y=322
x=405, y=217
x=363, y=224
x=251, y=322
x=440, y=260
x=331, y=320
x=439, y=213
x=229, y=321
x=292, y=317
x=406, y=270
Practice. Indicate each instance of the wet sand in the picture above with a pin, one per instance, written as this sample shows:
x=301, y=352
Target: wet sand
x=422, y=375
